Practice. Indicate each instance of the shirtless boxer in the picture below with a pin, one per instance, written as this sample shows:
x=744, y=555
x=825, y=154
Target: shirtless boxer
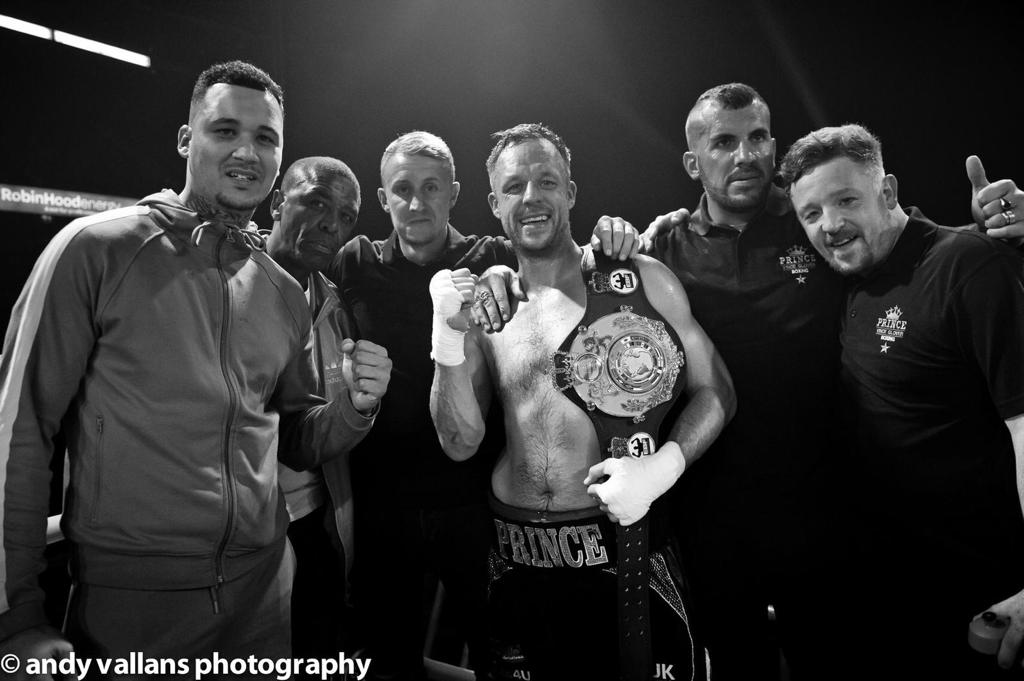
x=554, y=543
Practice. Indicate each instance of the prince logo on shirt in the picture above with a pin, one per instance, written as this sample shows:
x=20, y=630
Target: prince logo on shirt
x=890, y=327
x=798, y=262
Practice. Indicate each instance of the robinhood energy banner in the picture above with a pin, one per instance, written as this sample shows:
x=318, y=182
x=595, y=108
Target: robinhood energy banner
x=21, y=199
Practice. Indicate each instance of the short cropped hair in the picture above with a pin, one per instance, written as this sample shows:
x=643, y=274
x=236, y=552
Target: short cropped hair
x=419, y=143
x=729, y=96
x=851, y=141
x=323, y=167
x=234, y=73
x=523, y=133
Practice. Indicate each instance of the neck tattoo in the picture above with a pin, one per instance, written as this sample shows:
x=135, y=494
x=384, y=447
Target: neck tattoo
x=208, y=211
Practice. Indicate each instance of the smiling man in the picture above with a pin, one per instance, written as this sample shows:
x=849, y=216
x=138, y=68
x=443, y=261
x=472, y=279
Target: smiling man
x=761, y=514
x=406, y=489
x=556, y=499
x=172, y=354
x=933, y=384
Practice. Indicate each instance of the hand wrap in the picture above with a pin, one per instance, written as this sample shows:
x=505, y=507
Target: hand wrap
x=446, y=343
x=634, y=483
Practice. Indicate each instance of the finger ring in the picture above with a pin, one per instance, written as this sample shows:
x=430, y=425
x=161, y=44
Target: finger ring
x=1009, y=216
x=1005, y=205
x=482, y=296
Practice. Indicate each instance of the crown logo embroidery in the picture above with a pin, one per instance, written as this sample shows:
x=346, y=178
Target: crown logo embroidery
x=894, y=313
x=798, y=262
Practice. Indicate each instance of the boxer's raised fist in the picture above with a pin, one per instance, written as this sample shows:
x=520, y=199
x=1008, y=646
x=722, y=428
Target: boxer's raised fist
x=450, y=293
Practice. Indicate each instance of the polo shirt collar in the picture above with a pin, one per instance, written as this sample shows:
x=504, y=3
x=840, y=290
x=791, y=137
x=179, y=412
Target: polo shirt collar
x=777, y=205
x=917, y=235
x=391, y=250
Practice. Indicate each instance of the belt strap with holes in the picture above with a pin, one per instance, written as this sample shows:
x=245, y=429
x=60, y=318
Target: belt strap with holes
x=624, y=366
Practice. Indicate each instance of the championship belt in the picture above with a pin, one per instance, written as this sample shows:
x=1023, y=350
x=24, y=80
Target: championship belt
x=622, y=366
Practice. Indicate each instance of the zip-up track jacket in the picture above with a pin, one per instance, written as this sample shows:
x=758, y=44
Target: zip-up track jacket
x=174, y=356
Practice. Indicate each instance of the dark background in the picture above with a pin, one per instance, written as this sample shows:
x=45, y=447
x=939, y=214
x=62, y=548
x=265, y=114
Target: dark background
x=937, y=82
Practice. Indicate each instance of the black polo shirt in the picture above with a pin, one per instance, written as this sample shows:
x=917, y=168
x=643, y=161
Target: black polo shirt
x=932, y=365
x=390, y=299
x=771, y=306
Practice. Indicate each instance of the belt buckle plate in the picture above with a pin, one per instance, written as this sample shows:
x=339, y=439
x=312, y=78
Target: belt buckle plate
x=623, y=364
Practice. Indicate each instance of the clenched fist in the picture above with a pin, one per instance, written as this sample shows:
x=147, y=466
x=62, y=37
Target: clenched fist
x=366, y=369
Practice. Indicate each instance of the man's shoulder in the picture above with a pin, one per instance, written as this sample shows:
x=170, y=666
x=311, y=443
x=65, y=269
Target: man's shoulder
x=657, y=277
x=965, y=247
x=959, y=257
x=480, y=252
x=365, y=252
x=359, y=253
x=361, y=246
x=777, y=225
x=692, y=242
x=121, y=229
x=115, y=223
x=274, y=271
x=645, y=264
x=281, y=279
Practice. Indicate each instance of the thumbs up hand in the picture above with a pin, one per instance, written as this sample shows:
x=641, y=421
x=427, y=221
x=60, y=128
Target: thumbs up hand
x=997, y=207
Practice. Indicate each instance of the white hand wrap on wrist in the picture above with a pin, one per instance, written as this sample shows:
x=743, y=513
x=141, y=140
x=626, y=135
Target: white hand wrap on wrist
x=630, y=493
x=446, y=343
x=672, y=463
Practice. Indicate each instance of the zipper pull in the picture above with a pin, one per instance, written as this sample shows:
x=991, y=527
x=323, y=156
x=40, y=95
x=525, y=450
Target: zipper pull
x=215, y=599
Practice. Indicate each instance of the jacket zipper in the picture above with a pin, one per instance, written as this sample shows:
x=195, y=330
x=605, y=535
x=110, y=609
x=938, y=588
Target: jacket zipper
x=226, y=449
x=99, y=470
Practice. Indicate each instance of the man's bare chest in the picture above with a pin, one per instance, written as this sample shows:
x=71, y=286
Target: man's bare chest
x=521, y=353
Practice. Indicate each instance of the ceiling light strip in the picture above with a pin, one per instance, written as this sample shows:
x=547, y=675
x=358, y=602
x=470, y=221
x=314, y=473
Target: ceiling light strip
x=26, y=27
x=72, y=40
x=101, y=48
